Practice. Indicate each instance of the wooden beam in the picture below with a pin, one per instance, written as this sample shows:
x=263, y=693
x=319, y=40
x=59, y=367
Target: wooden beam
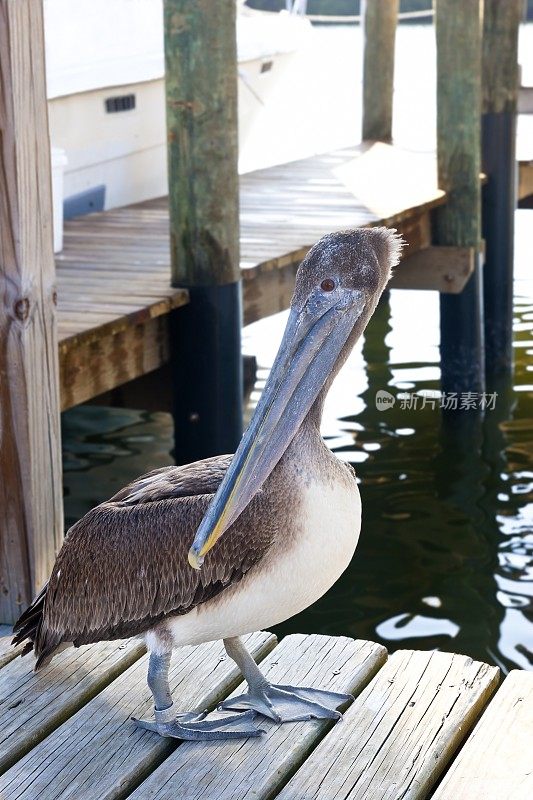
x=440, y=269
x=525, y=179
x=458, y=223
x=31, y=521
x=201, y=92
x=500, y=100
x=379, y=25
x=525, y=100
x=97, y=364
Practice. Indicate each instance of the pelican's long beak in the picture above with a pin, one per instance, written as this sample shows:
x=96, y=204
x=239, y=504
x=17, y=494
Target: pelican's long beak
x=313, y=340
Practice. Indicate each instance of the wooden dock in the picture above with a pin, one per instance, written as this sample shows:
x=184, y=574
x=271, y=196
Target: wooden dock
x=113, y=275
x=421, y=722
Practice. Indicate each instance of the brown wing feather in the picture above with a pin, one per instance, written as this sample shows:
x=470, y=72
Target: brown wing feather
x=123, y=567
x=200, y=477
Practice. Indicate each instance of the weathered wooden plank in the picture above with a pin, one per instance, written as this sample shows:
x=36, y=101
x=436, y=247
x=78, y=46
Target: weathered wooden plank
x=120, y=321
x=92, y=365
x=33, y=704
x=496, y=762
x=524, y=155
x=525, y=179
x=379, y=25
x=441, y=269
x=268, y=294
x=260, y=767
x=7, y=651
x=100, y=752
x=400, y=733
x=377, y=183
x=525, y=100
x=30, y=452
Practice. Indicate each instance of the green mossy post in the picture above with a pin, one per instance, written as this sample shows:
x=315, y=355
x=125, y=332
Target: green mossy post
x=379, y=25
x=201, y=92
x=500, y=97
x=458, y=223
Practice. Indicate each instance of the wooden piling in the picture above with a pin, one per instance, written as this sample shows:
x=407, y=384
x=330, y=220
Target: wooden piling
x=458, y=223
x=379, y=26
x=500, y=99
x=201, y=91
x=31, y=524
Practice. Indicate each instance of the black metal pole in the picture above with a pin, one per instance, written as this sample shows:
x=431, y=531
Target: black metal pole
x=498, y=208
x=461, y=338
x=206, y=353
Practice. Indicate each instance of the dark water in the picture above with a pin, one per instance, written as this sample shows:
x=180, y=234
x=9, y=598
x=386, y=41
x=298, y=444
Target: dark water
x=445, y=558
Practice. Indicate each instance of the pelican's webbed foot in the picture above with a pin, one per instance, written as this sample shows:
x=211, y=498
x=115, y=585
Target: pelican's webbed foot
x=280, y=703
x=289, y=703
x=194, y=727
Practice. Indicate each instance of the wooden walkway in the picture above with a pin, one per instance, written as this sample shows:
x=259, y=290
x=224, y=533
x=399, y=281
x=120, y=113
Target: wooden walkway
x=113, y=276
x=66, y=733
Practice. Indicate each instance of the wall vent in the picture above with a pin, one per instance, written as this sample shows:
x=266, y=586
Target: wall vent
x=125, y=102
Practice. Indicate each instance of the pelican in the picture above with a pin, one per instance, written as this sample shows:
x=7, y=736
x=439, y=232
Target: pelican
x=283, y=512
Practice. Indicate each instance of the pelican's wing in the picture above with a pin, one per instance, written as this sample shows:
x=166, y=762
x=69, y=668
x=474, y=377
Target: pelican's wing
x=200, y=477
x=123, y=567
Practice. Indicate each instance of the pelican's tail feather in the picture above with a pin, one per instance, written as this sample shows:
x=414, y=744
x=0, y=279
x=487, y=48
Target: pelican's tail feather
x=28, y=625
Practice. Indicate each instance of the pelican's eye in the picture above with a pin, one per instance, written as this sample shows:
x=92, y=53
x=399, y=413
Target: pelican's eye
x=327, y=285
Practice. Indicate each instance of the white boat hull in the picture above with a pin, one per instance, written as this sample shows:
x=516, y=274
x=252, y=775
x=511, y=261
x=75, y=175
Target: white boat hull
x=126, y=150
x=101, y=49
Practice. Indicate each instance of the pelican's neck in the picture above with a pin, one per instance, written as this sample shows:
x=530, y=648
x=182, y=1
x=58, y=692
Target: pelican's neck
x=313, y=419
x=308, y=445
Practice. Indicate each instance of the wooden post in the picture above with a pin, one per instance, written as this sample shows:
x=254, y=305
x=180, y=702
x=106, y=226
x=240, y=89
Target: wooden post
x=500, y=98
x=201, y=81
x=379, y=25
x=31, y=524
x=458, y=223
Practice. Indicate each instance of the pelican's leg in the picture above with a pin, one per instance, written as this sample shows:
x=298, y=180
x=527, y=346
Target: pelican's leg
x=189, y=725
x=280, y=703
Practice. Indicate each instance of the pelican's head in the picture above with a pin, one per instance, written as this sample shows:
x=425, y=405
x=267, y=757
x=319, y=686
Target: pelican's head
x=338, y=285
